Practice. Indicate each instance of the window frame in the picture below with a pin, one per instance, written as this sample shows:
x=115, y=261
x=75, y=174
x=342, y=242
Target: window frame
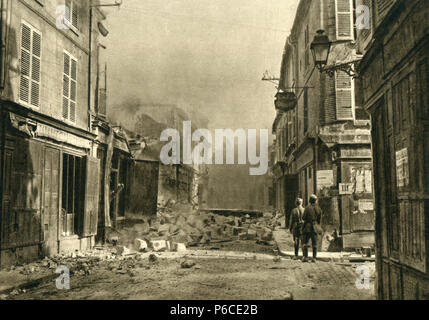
x=352, y=22
x=30, y=76
x=68, y=20
x=352, y=97
x=77, y=193
x=69, y=100
x=306, y=111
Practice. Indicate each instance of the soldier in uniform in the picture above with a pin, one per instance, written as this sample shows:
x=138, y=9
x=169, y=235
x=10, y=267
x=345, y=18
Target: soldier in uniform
x=295, y=224
x=311, y=227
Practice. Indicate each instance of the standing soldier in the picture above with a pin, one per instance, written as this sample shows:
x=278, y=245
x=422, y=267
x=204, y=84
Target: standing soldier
x=295, y=224
x=311, y=227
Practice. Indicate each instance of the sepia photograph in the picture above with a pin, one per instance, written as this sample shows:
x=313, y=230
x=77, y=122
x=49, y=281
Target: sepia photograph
x=214, y=156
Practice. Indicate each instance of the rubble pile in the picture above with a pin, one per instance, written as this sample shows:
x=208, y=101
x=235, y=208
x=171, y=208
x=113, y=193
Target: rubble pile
x=178, y=226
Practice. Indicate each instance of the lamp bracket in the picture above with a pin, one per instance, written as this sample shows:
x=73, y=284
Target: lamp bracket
x=347, y=67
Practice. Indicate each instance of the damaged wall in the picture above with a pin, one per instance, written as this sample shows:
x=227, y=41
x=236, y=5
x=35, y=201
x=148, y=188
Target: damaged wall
x=231, y=187
x=143, y=190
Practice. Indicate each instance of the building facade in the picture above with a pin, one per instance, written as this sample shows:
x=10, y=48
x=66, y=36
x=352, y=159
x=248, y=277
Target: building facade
x=395, y=81
x=49, y=193
x=322, y=132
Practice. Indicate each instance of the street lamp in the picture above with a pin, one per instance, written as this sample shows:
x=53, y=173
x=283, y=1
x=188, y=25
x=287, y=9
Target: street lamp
x=320, y=48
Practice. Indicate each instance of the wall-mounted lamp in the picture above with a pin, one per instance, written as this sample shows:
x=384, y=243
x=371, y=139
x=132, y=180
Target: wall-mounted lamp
x=320, y=48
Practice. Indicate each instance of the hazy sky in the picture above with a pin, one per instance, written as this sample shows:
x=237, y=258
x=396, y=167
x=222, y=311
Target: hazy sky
x=208, y=55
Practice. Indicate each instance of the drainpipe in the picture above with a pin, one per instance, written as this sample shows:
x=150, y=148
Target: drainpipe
x=2, y=118
x=3, y=41
x=97, y=81
x=316, y=160
x=90, y=64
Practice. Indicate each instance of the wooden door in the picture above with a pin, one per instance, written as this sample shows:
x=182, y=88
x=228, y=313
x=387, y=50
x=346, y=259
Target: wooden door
x=381, y=177
x=50, y=201
x=291, y=193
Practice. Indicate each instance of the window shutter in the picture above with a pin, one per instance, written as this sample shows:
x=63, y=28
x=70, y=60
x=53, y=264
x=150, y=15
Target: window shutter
x=35, y=68
x=305, y=110
x=74, y=15
x=102, y=107
x=382, y=7
x=344, y=19
x=73, y=89
x=24, y=90
x=330, y=100
x=69, y=87
x=31, y=51
x=344, y=96
x=66, y=86
x=68, y=8
x=91, y=196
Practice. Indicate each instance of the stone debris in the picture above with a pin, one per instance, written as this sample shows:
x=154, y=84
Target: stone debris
x=176, y=228
x=251, y=234
x=187, y=264
x=179, y=247
x=277, y=259
x=141, y=245
x=123, y=251
x=159, y=245
x=288, y=296
x=153, y=258
x=181, y=223
x=15, y=292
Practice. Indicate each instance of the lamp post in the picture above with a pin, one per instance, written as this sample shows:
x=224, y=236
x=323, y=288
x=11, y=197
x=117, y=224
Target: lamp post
x=320, y=48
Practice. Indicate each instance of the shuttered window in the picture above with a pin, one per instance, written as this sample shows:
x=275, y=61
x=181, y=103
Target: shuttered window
x=344, y=96
x=382, y=7
x=307, y=48
x=88, y=227
x=31, y=52
x=72, y=13
x=69, y=87
x=305, y=110
x=344, y=19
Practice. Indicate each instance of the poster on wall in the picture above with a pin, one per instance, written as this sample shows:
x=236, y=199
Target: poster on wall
x=366, y=205
x=402, y=169
x=325, y=179
x=345, y=188
x=361, y=179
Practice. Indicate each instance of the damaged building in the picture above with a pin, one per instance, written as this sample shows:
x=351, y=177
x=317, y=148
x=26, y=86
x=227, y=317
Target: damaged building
x=149, y=185
x=49, y=98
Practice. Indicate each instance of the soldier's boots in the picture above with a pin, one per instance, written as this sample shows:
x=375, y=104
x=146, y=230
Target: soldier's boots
x=314, y=260
x=305, y=253
x=296, y=251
